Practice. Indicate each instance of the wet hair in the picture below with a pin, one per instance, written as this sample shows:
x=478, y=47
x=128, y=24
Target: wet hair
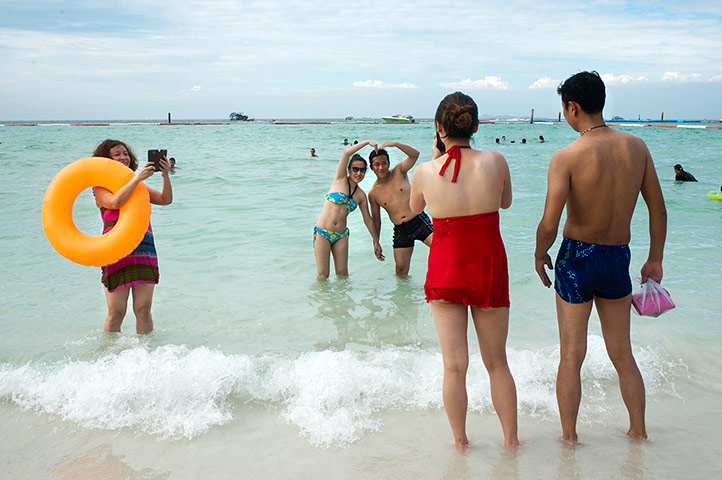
x=497, y=140
x=585, y=88
x=458, y=114
x=356, y=158
x=103, y=150
x=678, y=167
x=381, y=152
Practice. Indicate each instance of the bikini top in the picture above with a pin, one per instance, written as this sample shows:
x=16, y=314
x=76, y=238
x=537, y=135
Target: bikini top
x=455, y=154
x=341, y=198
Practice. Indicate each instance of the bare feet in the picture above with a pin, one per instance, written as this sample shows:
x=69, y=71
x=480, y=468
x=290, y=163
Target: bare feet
x=512, y=445
x=461, y=444
x=639, y=436
x=572, y=442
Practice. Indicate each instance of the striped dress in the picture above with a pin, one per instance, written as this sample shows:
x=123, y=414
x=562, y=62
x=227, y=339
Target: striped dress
x=141, y=266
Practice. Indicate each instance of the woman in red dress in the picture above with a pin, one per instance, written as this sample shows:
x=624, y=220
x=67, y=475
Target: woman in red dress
x=464, y=190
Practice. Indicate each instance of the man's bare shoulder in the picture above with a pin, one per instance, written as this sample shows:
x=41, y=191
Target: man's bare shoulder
x=564, y=157
x=372, y=190
x=630, y=139
x=398, y=171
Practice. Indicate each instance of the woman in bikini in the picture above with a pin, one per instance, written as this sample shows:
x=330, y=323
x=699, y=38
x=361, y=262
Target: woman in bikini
x=138, y=272
x=330, y=235
x=464, y=190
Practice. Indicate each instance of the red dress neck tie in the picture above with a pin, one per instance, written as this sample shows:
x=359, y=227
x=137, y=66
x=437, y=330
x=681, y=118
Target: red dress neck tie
x=453, y=153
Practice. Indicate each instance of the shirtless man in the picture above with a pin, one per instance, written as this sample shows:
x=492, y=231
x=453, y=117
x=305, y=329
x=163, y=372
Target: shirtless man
x=391, y=191
x=598, y=177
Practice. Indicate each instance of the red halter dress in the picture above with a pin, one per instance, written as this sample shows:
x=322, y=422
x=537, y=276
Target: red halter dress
x=467, y=260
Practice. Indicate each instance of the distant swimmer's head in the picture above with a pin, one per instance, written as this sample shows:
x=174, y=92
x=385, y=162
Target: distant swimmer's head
x=458, y=116
x=379, y=162
x=357, y=167
x=117, y=150
x=586, y=89
x=678, y=168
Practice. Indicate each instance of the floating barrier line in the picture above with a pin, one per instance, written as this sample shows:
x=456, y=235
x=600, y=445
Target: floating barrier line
x=661, y=125
x=302, y=123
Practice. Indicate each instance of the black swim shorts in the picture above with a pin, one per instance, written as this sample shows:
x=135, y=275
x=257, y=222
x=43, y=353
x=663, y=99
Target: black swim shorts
x=418, y=228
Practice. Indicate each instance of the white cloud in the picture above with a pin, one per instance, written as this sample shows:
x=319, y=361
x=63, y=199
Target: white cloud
x=488, y=82
x=681, y=77
x=381, y=84
x=716, y=78
x=544, y=82
x=195, y=89
x=612, y=79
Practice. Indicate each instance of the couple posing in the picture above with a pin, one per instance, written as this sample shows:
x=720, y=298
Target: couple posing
x=391, y=191
x=464, y=190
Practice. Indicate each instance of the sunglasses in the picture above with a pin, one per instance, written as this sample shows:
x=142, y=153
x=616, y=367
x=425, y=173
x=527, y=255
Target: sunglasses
x=358, y=169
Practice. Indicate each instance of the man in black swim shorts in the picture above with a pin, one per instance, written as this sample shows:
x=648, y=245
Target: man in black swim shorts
x=391, y=192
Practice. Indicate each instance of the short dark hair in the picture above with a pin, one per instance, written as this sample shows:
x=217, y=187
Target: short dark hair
x=375, y=154
x=585, y=88
x=103, y=150
x=458, y=114
x=678, y=167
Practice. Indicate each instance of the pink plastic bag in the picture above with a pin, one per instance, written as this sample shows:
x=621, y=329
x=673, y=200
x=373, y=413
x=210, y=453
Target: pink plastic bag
x=651, y=300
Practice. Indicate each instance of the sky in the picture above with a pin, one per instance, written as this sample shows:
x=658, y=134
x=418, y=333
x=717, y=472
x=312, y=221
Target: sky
x=141, y=59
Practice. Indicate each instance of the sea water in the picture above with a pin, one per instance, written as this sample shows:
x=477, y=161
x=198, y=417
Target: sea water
x=257, y=370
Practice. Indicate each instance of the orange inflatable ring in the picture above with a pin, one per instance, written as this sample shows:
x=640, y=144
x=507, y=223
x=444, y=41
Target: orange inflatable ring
x=60, y=196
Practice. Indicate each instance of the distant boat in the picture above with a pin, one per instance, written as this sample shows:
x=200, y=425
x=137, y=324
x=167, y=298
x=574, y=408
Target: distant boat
x=399, y=119
x=617, y=118
x=235, y=116
x=349, y=118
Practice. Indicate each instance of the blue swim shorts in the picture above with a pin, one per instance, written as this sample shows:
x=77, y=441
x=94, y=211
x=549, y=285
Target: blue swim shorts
x=586, y=270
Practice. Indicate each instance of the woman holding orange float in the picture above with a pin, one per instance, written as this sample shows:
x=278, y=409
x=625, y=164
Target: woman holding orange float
x=138, y=272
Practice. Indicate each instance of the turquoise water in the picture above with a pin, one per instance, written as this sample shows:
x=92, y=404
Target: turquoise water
x=253, y=360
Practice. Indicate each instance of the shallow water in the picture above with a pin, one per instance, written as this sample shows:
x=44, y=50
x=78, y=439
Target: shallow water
x=257, y=369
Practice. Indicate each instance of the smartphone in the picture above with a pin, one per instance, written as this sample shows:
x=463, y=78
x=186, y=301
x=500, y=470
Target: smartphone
x=439, y=144
x=154, y=157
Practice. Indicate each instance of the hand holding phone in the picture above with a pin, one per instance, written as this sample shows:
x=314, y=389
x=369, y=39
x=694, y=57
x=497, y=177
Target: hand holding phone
x=440, y=145
x=154, y=156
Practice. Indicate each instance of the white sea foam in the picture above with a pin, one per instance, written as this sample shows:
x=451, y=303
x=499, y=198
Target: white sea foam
x=332, y=397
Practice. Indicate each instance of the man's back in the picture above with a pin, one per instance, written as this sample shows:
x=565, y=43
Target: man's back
x=605, y=171
x=598, y=178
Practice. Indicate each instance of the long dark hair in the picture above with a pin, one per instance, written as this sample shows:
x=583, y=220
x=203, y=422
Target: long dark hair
x=103, y=150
